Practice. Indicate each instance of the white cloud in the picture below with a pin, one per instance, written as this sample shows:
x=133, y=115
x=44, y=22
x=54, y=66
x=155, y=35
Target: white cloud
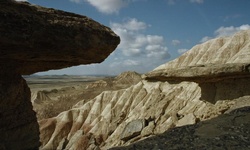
x=106, y=6
x=130, y=24
x=155, y=39
x=125, y=63
x=134, y=43
x=181, y=51
x=204, y=39
x=226, y=31
x=175, y=42
x=197, y=1
x=130, y=62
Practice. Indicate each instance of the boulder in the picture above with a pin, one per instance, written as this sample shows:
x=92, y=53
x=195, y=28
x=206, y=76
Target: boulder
x=33, y=39
x=132, y=129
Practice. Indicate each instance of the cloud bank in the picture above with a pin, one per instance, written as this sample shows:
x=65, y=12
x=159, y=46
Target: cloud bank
x=226, y=31
x=134, y=43
x=137, y=50
x=106, y=6
x=175, y=42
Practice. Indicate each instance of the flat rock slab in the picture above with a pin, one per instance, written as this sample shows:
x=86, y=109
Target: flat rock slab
x=201, y=73
x=132, y=129
x=34, y=38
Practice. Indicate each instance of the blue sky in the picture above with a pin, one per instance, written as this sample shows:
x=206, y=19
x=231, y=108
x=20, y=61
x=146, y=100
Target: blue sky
x=154, y=32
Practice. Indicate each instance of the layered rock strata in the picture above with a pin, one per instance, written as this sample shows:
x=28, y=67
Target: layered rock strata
x=201, y=73
x=207, y=81
x=32, y=39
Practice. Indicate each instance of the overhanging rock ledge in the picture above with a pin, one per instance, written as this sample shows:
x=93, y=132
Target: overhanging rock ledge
x=34, y=39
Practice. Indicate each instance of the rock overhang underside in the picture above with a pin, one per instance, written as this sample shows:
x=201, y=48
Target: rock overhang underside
x=35, y=38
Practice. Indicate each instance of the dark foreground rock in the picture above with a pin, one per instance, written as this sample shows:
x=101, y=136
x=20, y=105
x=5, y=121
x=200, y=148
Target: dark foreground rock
x=18, y=125
x=34, y=39
x=228, y=131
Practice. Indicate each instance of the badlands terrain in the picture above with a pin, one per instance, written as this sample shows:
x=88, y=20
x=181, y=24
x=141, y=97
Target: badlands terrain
x=51, y=95
x=197, y=101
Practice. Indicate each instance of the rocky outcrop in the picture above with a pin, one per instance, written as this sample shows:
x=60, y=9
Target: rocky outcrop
x=133, y=129
x=36, y=39
x=163, y=101
x=127, y=78
x=223, y=50
x=201, y=73
x=228, y=131
x=18, y=125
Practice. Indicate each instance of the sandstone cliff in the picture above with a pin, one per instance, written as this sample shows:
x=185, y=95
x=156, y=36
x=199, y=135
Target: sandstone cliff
x=207, y=81
x=33, y=39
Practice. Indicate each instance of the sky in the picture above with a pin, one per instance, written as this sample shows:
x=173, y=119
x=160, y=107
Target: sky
x=153, y=32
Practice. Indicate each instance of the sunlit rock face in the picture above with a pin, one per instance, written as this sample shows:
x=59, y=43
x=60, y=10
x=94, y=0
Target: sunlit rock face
x=32, y=39
x=209, y=80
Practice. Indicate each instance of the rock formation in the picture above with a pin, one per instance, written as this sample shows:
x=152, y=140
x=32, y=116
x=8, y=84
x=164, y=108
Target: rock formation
x=49, y=103
x=228, y=131
x=33, y=39
x=205, y=82
x=127, y=78
x=36, y=39
x=123, y=80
